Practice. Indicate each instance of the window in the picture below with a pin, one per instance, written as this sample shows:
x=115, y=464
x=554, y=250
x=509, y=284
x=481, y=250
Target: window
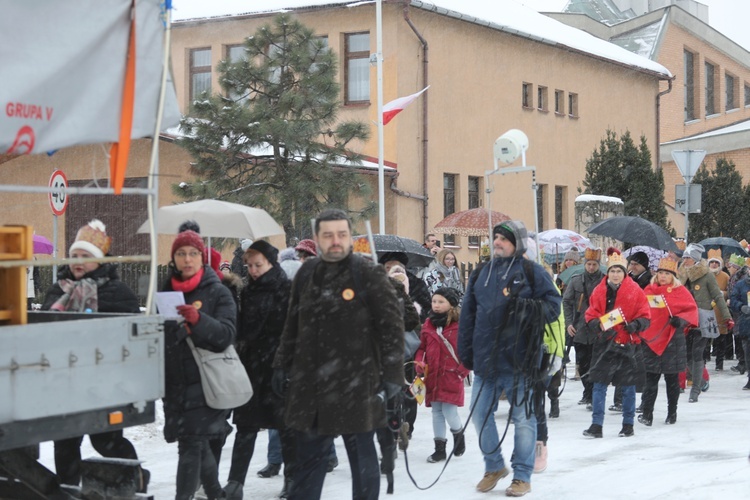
x=475, y=197
x=689, y=86
x=747, y=95
x=449, y=203
x=200, y=72
x=731, y=87
x=710, y=89
x=561, y=193
x=357, y=68
x=573, y=105
x=540, y=189
x=560, y=102
x=236, y=53
x=541, y=98
x=526, y=95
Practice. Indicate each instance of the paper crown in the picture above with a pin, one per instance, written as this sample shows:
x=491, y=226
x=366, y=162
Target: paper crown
x=737, y=260
x=92, y=238
x=743, y=244
x=361, y=245
x=715, y=254
x=668, y=265
x=592, y=254
x=681, y=245
x=616, y=260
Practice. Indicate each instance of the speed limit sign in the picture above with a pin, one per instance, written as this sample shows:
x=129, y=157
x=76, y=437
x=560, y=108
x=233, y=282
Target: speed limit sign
x=58, y=200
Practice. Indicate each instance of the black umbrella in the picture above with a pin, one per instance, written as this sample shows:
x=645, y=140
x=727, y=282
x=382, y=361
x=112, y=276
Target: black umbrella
x=636, y=231
x=418, y=255
x=728, y=246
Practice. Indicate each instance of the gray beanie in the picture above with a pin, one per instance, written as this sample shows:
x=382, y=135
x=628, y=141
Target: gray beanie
x=694, y=251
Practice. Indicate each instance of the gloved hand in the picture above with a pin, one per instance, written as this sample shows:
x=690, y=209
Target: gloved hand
x=419, y=367
x=745, y=309
x=730, y=324
x=279, y=382
x=390, y=390
x=190, y=313
x=632, y=327
x=675, y=321
x=595, y=326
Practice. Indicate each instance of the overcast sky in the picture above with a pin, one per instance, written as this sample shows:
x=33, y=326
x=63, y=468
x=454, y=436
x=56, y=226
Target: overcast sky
x=730, y=17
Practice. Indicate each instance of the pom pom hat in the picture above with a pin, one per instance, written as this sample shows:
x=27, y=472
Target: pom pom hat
x=573, y=255
x=188, y=239
x=617, y=260
x=92, y=238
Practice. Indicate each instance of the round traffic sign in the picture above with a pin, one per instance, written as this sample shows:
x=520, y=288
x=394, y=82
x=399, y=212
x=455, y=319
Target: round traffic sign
x=58, y=200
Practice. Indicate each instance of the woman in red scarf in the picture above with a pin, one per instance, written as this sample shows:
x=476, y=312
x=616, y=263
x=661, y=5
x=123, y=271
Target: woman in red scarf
x=618, y=311
x=672, y=309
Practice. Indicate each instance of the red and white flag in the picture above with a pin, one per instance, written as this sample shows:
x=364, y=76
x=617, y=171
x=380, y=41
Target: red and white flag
x=391, y=109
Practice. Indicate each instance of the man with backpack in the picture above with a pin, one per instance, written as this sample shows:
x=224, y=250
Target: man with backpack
x=340, y=359
x=507, y=304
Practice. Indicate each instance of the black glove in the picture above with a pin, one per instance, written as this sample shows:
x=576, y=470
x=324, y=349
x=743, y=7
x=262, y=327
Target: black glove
x=595, y=326
x=279, y=382
x=632, y=327
x=675, y=321
x=390, y=390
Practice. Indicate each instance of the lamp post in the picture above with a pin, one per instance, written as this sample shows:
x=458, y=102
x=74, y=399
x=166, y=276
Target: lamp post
x=507, y=148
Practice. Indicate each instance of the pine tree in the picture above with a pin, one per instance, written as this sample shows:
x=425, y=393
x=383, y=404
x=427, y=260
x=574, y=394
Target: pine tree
x=619, y=168
x=272, y=139
x=724, y=209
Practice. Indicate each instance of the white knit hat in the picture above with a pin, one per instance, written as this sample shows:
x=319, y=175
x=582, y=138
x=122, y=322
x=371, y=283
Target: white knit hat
x=92, y=238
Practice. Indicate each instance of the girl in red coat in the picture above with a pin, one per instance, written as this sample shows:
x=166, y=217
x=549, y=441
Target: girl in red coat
x=437, y=359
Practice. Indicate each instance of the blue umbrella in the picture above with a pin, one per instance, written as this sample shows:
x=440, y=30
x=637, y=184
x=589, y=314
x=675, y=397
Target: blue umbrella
x=728, y=246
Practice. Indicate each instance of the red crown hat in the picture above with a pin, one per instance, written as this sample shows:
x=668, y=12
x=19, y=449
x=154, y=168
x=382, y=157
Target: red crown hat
x=612, y=250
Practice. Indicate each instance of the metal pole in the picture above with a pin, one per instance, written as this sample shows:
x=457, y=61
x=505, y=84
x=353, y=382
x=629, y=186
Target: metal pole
x=381, y=148
x=534, y=188
x=687, y=205
x=54, y=248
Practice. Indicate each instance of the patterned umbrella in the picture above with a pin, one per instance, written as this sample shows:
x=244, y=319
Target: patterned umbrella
x=472, y=222
x=654, y=255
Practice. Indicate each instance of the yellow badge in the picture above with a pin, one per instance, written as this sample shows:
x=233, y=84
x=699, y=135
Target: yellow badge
x=197, y=304
x=347, y=294
x=506, y=291
x=697, y=287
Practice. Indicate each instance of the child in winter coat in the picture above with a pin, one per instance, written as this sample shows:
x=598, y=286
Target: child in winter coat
x=436, y=358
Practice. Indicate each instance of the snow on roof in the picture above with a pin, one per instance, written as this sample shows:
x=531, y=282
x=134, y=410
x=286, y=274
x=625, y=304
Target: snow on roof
x=507, y=16
x=596, y=197
x=731, y=129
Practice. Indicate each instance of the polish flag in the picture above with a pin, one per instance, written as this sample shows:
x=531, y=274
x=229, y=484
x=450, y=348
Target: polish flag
x=391, y=109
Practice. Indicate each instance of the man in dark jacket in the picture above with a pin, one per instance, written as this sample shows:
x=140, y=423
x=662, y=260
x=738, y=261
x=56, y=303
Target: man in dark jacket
x=638, y=269
x=575, y=303
x=500, y=351
x=341, y=353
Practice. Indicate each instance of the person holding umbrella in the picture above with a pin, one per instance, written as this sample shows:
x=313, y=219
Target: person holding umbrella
x=672, y=311
x=706, y=292
x=618, y=313
x=715, y=263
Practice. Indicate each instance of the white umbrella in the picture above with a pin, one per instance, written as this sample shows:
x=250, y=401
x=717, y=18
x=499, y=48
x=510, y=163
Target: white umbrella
x=217, y=219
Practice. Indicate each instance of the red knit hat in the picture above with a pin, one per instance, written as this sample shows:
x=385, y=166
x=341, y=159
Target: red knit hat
x=307, y=246
x=612, y=250
x=189, y=239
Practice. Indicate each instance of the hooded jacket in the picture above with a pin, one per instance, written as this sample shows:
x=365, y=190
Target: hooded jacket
x=485, y=306
x=576, y=301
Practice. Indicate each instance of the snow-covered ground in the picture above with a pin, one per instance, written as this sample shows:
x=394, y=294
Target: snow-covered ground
x=703, y=456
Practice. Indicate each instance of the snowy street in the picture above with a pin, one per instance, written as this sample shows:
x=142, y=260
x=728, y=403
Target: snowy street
x=705, y=455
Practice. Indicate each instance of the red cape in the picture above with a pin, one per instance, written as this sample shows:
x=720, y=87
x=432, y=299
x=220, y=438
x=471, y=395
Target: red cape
x=630, y=299
x=680, y=303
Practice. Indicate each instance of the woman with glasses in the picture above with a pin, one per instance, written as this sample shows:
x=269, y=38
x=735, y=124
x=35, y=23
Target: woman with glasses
x=208, y=317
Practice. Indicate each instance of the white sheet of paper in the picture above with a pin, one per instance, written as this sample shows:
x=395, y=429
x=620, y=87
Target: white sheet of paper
x=167, y=302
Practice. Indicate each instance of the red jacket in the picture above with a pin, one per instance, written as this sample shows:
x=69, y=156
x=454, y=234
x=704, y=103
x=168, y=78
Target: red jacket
x=680, y=303
x=630, y=299
x=445, y=376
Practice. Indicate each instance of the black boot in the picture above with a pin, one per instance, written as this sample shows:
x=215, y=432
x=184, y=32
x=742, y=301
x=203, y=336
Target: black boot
x=287, y=489
x=270, y=470
x=671, y=418
x=439, y=454
x=554, y=408
x=646, y=419
x=719, y=365
x=626, y=431
x=595, y=431
x=459, y=444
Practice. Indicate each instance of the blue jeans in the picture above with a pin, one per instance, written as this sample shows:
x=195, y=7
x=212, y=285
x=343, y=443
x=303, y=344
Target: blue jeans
x=484, y=401
x=442, y=413
x=600, y=399
x=274, y=447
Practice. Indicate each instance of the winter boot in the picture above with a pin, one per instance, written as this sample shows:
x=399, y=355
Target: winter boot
x=269, y=470
x=439, y=454
x=554, y=408
x=540, y=459
x=646, y=419
x=332, y=464
x=233, y=490
x=671, y=418
x=287, y=489
x=719, y=365
x=747, y=386
x=459, y=444
x=617, y=408
x=626, y=431
x=595, y=431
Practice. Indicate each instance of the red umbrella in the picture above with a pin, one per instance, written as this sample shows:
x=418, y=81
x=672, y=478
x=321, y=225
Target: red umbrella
x=472, y=222
x=42, y=245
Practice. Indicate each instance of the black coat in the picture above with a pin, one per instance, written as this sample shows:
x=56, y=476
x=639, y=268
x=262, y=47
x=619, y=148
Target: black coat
x=113, y=296
x=263, y=312
x=672, y=360
x=339, y=345
x=420, y=294
x=185, y=411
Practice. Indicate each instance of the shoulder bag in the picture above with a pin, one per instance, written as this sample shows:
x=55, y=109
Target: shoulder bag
x=223, y=377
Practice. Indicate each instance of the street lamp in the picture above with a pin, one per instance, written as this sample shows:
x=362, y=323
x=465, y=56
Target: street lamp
x=507, y=148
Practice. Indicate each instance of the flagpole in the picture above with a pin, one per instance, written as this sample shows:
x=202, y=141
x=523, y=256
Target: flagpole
x=381, y=148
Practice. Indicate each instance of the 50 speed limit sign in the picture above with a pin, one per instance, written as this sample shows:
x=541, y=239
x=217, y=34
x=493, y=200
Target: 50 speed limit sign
x=58, y=200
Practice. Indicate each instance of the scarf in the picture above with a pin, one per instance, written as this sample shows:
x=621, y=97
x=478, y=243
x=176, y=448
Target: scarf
x=79, y=296
x=438, y=319
x=680, y=303
x=188, y=285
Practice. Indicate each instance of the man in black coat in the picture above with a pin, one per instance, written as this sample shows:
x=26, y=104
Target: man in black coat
x=341, y=354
